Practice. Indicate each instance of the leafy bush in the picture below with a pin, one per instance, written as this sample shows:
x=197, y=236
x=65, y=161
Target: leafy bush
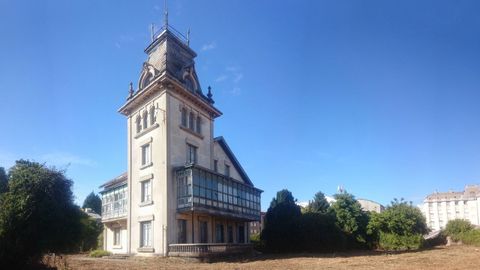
x=99, y=253
x=457, y=227
x=257, y=242
x=319, y=233
x=392, y=241
x=399, y=227
x=471, y=237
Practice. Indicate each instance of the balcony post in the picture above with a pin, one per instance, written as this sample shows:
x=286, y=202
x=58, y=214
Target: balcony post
x=193, y=229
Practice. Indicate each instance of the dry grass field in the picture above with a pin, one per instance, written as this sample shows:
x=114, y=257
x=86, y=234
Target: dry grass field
x=454, y=257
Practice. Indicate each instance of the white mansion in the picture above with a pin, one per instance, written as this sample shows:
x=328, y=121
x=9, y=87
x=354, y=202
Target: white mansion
x=440, y=207
x=184, y=192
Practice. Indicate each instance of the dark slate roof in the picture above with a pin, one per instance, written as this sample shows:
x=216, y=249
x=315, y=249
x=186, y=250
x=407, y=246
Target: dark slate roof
x=221, y=141
x=116, y=182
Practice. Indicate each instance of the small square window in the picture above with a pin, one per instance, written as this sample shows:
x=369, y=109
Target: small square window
x=215, y=165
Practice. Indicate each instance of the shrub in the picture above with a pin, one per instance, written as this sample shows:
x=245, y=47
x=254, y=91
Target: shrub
x=399, y=227
x=471, y=237
x=457, y=227
x=258, y=244
x=392, y=241
x=99, y=253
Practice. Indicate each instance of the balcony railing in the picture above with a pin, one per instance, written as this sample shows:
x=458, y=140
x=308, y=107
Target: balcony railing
x=200, y=189
x=207, y=250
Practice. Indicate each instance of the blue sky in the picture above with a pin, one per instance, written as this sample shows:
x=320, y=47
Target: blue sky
x=381, y=97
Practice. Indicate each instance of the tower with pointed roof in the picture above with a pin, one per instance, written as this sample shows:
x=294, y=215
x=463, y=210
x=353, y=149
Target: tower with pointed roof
x=184, y=190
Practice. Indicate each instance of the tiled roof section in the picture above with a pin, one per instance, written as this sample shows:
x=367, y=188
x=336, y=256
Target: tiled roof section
x=115, y=182
x=221, y=141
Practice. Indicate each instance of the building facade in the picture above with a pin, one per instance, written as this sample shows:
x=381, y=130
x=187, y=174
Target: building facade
x=184, y=192
x=371, y=206
x=440, y=207
x=256, y=227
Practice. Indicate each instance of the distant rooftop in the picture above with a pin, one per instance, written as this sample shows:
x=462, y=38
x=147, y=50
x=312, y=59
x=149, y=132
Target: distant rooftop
x=470, y=192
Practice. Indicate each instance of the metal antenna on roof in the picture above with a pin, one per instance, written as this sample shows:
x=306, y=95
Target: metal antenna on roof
x=166, y=14
x=188, y=37
x=152, y=32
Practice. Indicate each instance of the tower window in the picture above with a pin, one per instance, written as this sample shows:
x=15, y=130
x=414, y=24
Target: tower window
x=146, y=234
x=152, y=116
x=138, y=123
x=191, y=154
x=145, y=119
x=191, y=121
x=184, y=117
x=199, y=125
x=146, y=154
x=146, y=191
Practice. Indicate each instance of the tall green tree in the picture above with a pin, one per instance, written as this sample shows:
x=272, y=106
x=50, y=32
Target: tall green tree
x=94, y=202
x=3, y=181
x=37, y=214
x=350, y=217
x=319, y=204
x=281, y=232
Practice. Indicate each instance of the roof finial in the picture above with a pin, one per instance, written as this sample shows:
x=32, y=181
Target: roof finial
x=188, y=37
x=210, y=95
x=130, y=91
x=152, y=32
x=166, y=15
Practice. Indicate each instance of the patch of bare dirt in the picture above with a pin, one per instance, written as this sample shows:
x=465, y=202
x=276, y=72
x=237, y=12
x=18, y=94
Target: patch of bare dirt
x=453, y=257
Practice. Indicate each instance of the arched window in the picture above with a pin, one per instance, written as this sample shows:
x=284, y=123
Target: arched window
x=191, y=121
x=152, y=115
x=199, y=124
x=184, y=117
x=138, y=123
x=145, y=119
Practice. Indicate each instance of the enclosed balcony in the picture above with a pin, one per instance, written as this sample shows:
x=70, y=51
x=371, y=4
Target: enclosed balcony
x=202, y=190
x=114, y=199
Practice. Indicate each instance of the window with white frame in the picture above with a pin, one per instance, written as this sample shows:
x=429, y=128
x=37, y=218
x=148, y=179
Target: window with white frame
x=146, y=154
x=191, y=154
x=146, y=234
x=146, y=191
x=117, y=237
